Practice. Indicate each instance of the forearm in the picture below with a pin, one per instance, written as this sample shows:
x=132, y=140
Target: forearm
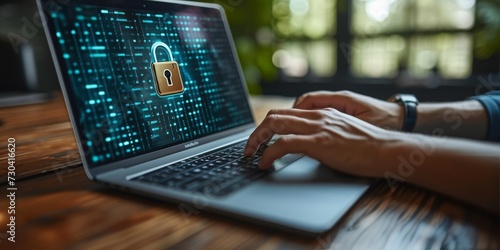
x=466, y=119
x=463, y=169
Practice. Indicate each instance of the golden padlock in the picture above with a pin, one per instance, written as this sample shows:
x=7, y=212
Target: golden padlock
x=167, y=75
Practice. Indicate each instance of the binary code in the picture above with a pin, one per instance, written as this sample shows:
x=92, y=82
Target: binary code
x=107, y=57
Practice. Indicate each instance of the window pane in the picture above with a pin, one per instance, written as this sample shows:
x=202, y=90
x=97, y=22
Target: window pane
x=301, y=59
x=291, y=58
x=377, y=57
x=322, y=57
x=449, y=54
x=304, y=18
x=444, y=14
x=377, y=16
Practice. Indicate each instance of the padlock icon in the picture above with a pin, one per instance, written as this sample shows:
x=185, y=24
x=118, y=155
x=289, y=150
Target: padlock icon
x=167, y=75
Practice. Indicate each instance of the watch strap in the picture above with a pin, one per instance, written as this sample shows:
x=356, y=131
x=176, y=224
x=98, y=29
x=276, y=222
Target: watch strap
x=410, y=116
x=409, y=103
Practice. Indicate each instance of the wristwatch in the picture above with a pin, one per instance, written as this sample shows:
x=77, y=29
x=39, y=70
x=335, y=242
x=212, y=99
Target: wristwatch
x=409, y=103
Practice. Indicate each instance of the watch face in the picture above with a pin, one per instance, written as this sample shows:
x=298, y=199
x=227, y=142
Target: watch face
x=403, y=98
x=408, y=98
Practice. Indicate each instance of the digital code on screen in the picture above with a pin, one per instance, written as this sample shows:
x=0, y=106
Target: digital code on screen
x=107, y=59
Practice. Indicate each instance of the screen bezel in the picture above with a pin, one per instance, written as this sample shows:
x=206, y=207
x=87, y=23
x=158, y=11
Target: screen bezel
x=56, y=51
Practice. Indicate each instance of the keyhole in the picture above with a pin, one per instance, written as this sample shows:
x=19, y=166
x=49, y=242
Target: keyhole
x=168, y=75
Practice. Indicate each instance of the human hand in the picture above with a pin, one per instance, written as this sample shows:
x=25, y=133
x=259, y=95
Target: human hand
x=334, y=138
x=380, y=113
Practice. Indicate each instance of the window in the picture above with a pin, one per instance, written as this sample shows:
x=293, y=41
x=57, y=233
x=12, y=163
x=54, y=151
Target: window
x=305, y=35
x=386, y=39
x=420, y=38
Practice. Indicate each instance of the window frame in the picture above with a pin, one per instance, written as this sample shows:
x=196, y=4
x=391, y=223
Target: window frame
x=449, y=89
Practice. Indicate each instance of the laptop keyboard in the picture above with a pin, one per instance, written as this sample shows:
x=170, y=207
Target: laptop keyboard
x=215, y=173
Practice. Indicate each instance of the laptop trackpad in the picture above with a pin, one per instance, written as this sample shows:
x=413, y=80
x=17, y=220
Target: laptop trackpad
x=304, y=194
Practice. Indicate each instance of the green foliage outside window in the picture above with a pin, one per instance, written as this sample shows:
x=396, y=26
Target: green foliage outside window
x=250, y=22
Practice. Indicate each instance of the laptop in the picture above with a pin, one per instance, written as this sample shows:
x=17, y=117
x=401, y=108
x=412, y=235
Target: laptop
x=159, y=108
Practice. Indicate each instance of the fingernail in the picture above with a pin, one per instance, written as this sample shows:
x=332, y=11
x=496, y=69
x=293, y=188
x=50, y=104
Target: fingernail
x=247, y=152
x=298, y=101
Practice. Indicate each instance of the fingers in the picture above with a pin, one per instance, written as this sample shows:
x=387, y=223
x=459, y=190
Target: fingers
x=323, y=99
x=282, y=122
x=307, y=114
x=293, y=144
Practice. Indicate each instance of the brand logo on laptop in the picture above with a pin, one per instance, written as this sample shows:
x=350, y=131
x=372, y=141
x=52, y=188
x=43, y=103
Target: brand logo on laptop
x=191, y=144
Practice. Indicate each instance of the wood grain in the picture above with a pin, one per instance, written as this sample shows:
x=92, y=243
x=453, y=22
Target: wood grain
x=408, y=217
x=44, y=138
x=62, y=209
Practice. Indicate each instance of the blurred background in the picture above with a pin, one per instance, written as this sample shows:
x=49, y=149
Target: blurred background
x=439, y=50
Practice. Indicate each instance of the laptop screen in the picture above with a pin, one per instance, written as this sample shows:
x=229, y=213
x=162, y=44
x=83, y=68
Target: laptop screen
x=106, y=59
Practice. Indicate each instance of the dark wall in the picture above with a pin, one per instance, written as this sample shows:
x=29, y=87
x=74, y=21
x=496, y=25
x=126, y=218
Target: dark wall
x=20, y=27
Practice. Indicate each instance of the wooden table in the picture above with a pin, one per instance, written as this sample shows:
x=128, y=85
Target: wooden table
x=57, y=207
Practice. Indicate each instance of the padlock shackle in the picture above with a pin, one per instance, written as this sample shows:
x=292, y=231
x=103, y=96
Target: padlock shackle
x=161, y=44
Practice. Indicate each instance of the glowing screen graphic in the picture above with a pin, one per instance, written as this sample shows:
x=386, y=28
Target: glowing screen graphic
x=107, y=58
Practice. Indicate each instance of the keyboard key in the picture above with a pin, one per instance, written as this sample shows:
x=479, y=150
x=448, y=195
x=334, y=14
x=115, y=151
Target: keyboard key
x=215, y=173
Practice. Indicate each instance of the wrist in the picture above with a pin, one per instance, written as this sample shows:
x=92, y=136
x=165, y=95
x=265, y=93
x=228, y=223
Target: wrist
x=390, y=146
x=463, y=119
x=397, y=153
x=391, y=116
x=398, y=116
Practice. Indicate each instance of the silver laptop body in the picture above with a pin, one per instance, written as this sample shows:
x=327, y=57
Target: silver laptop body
x=126, y=128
